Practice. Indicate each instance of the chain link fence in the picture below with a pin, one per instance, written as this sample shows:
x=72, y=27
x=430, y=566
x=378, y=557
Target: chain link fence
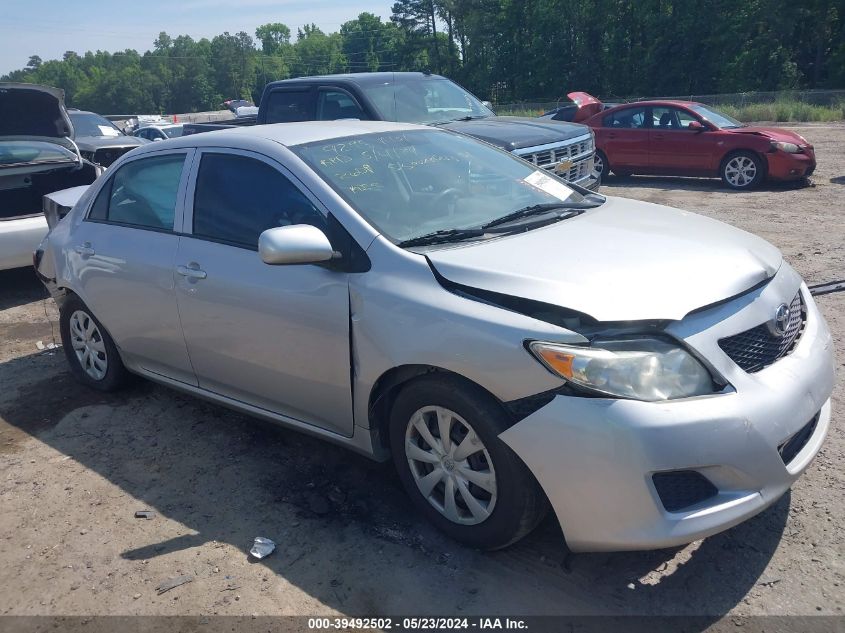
x=785, y=105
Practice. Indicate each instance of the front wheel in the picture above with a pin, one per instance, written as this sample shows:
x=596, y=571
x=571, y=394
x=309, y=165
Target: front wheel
x=600, y=164
x=444, y=440
x=742, y=170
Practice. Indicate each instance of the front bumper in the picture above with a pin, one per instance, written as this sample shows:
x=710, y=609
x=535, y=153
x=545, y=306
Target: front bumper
x=595, y=457
x=784, y=166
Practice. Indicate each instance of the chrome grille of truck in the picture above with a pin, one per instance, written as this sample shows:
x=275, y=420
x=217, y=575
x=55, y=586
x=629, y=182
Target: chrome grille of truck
x=579, y=151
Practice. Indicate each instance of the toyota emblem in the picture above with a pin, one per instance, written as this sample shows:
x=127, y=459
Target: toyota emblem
x=780, y=323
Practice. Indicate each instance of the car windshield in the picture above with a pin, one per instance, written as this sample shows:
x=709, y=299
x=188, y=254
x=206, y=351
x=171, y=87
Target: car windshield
x=410, y=184
x=90, y=124
x=425, y=101
x=717, y=118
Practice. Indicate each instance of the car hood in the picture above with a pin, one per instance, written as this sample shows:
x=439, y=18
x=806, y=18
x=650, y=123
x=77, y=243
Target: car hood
x=624, y=261
x=512, y=133
x=29, y=111
x=774, y=133
x=99, y=142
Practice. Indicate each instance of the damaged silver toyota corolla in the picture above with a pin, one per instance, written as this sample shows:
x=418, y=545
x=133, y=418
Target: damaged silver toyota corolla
x=511, y=341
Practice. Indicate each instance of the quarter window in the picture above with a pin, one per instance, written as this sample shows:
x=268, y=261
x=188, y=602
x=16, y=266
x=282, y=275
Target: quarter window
x=237, y=198
x=286, y=106
x=142, y=193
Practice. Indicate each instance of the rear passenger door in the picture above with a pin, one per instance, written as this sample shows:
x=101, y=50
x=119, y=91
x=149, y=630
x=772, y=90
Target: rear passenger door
x=122, y=260
x=625, y=138
x=274, y=337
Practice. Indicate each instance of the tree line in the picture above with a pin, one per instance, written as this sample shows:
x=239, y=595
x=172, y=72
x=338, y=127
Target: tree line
x=503, y=50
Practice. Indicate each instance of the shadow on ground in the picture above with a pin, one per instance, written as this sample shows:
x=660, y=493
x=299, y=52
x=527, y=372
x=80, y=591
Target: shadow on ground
x=20, y=286
x=334, y=514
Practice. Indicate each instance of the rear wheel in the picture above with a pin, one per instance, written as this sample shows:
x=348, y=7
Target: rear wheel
x=444, y=440
x=742, y=170
x=90, y=351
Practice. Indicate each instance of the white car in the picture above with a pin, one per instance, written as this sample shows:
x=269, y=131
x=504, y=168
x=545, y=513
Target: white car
x=158, y=132
x=37, y=158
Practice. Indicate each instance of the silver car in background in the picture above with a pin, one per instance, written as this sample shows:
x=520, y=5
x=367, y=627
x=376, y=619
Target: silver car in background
x=511, y=341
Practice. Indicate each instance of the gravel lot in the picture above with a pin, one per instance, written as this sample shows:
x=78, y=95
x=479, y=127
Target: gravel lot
x=76, y=465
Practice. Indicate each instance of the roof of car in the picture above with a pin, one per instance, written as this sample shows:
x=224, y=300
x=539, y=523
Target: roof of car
x=361, y=78
x=287, y=134
x=660, y=102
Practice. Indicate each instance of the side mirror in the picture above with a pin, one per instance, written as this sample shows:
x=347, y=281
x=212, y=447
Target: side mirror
x=696, y=126
x=487, y=104
x=295, y=244
x=157, y=138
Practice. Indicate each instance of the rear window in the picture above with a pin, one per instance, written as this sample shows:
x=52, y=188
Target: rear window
x=33, y=152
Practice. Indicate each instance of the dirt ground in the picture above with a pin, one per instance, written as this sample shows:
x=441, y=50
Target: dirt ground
x=76, y=465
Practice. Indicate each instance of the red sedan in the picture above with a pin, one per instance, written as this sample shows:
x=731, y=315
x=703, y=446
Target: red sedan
x=681, y=138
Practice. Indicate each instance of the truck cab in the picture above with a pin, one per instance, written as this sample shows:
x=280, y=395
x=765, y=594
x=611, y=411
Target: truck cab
x=564, y=148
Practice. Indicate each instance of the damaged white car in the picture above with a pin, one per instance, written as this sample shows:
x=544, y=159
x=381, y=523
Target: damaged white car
x=511, y=341
x=37, y=158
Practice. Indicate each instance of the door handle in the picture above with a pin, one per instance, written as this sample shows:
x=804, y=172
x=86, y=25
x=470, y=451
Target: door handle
x=191, y=271
x=611, y=135
x=85, y=250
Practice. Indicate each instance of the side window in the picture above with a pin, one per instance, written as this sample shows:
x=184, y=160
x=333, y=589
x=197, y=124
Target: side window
x=336, y=104
x=631, y=118
x=286, y=106
x=142, y=193
x=664, y=118
x=237, y=198
x=685, y=118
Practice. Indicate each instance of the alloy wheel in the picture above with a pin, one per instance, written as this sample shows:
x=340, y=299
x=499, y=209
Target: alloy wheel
x=88, y=345
x=740, y=171
x=450, y=465
x=598, y=165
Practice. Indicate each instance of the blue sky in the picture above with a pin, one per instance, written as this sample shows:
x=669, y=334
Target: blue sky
x=48, y=28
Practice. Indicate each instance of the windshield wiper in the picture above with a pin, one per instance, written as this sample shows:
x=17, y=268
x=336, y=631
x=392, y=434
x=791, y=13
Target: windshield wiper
x=542, y=209
x=442, y=236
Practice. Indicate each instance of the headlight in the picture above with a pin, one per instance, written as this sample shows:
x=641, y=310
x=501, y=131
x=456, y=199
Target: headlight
x=639, y=368
x=789, y=148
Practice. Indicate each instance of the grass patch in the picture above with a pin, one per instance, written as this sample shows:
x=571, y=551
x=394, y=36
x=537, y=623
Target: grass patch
x=785, y=111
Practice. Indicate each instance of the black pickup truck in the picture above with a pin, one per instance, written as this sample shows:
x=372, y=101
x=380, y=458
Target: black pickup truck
x=563, y=148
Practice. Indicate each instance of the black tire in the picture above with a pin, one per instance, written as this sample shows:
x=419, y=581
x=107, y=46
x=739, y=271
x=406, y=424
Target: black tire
x=519, y=501
x=115, y=375
x=736, y=168
x=601, y=164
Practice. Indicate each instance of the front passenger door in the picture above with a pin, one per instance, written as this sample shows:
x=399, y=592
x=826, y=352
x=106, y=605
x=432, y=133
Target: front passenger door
x=274, y=337
x=674, y=148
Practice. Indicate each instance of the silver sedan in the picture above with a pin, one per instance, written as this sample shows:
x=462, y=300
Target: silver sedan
x=511, y=341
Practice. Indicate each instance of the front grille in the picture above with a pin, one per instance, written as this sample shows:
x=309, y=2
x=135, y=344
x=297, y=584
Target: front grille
x=759, y=347
x=679, y=489
x=108, y=155
x=791, y=447
x=550, y=156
